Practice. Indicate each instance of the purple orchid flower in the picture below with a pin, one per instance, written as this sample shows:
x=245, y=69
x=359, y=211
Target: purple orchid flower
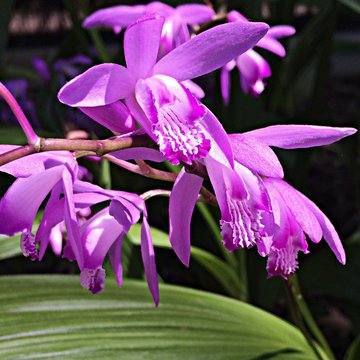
x=37, y=176
x=295, y=215
x=246, y=210
x=175, y=30
x=102, y=234
x=253, y=68
x=164, y=107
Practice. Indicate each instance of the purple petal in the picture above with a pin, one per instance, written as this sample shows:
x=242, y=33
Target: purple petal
x=115, y=117
x=253, y=66
x=193, y=14
x=302, y=213
x=236, y=16
x=41, y=68
x=271, y=44
x=97, y=236
x=56, y=238
x=100, y=85
x=139, y=153
x=70, y=218
x=35, y=163
x=300, y=136
x=280, y=31
x=93, y=279
x=182, y=202
x=221, y=149
x=115, y=16
x=194, y=88
x=21, y=202
x=141, y=45
x=125, y=212
x=210, y=50
x=115, y=256
x=329, y=233
x=148, y=258
x=256, y=156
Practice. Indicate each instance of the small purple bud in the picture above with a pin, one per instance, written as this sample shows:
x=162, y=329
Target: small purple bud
x=93, y=279
x=28, y=245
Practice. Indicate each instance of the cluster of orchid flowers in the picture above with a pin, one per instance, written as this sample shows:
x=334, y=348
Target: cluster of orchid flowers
x=154, y=110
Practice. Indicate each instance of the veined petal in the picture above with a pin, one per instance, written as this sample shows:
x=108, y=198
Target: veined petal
x=175, y=114
x=21, y=202
x=301, y=212
x=116, y=117
x=300, y=136
x=115, y=16
x=193, y=14
x=141, y=45
x=329, y=233
x=100, y=85
x=148, y=258
x=256, y=156
x=181, y=206
x=210, y=50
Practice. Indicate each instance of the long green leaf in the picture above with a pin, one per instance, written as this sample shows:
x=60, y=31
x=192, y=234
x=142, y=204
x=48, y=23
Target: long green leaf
x=221, y=271
x=53, y=317
x=352, y=4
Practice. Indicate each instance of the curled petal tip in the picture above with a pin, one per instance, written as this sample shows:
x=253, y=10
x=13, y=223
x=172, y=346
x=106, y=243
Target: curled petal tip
x=93, y=280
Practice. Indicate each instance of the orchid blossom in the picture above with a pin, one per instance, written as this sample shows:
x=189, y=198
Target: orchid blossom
x=175, y=30
x=253, y=68
x=164, y=107
x=247, y=217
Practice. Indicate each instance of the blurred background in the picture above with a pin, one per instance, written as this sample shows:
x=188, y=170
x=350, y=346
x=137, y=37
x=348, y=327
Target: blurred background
x=42, y=45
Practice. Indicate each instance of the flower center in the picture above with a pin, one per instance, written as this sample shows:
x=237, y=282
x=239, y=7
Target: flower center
x=245, y=227
x=28, y=245
x=179, y=138
x=93, y=279
x=175, y=117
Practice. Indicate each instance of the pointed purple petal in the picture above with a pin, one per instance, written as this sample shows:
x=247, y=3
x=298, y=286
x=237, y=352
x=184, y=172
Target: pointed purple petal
x=141, y=45
x=256, y=156
x=210, y=50
x=329, y=233
x=115, y=16
x=100, y=85
x=70, y=218
x=280, y=31
x=221, y=149
x=116, y=117
x=21, y=202
x=193, y=14
x=300, y=136
x=182, y=202
x=302, y=213
x=115, y=256
x=271, y=44
x=148, y=258
x=97, y=236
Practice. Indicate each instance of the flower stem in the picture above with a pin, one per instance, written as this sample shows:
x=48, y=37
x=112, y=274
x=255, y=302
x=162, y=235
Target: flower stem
x=309, y=319
x=30, y=134
x=295, y=299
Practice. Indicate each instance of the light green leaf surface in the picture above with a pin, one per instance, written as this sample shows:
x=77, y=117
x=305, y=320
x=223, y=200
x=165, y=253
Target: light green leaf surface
x=352, y=4
x=218, y=268
x=53, y=317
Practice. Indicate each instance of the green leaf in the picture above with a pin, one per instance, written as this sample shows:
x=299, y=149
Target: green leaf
x=53, y=317
x=10, y=245
x=352, y=4
x=221, y=271
x=353, y=352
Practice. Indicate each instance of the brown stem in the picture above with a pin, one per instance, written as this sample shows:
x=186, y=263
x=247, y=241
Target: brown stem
x=97, y=147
